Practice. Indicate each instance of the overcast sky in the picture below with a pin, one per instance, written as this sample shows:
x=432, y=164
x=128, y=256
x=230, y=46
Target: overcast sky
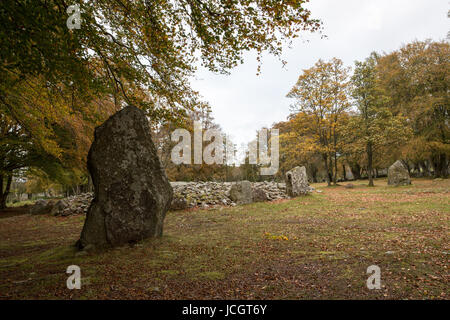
x=244, y=102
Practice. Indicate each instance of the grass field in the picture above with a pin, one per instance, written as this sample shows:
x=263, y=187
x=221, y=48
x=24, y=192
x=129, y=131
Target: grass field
x=314, y=247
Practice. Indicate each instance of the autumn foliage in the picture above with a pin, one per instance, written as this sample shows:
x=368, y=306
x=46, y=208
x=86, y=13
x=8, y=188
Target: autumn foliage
x=393, y=106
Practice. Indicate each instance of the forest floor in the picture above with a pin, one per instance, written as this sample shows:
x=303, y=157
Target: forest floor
x=313, y=247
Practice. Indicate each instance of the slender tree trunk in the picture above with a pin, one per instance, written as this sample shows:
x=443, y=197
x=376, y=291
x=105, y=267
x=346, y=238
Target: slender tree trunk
x=335, y=168
x=325, y=162
x=314, y=174
x=2, y=202
x=422, y=170
x=370, y=163
x=428, y=167
x=344, y=172
x=330, y=167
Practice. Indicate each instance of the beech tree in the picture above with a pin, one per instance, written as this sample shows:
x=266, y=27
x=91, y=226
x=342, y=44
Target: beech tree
x=374, y=125
x=321, y=93
x=416, y=78
x=57, y=83
x=125, y=46
x=299, y=144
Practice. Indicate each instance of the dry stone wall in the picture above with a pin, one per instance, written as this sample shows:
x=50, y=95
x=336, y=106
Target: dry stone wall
x=186, y=195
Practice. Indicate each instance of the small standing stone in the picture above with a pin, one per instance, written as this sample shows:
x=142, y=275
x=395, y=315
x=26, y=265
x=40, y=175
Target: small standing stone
x=259, y=195
x=241, y=192
x=59, y=207
x=179, y=203
x=398, y=174
x=42, y=207
x=297, y=182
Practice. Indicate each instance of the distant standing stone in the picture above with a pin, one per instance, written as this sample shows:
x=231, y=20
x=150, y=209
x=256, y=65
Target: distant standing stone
x=297, y=182
x=241, y=192
x=131, y=191
x=398, y=174
x=259, y=195
x=41, y=207
x=179, y=203
x=349, y=174
x=59, y=207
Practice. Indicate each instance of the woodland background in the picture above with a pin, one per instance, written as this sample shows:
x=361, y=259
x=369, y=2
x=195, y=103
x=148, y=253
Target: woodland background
x=57, y=85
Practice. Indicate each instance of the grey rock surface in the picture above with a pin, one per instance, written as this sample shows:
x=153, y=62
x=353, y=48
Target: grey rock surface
x=186, y=195
x=297, y=182
x=259, y=195
x=131, y=191
x=398, y=174
x=214, y=194
x=241, y=192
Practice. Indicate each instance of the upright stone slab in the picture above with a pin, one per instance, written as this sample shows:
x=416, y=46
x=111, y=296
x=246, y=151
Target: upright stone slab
x=349, y=174
x=398, y=174
x=131, y=191
x=241, y=192
x=297, y=182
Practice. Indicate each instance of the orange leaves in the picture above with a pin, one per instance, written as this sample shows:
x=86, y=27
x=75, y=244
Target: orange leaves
x=276, y=237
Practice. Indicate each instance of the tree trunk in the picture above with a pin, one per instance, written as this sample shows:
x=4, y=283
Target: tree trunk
x=428, y=167
x=440, y=166
x=345, y=173
x=356, y=170
x=330, y=167
x=370, y=163
x=325, y=162
x=313, y=171
x=335, y=168
x=4, y=193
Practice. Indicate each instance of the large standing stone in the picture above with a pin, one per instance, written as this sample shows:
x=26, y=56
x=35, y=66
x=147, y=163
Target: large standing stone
x=398, y=174
x=297, y=182
x=131, y=190
x=241, y=192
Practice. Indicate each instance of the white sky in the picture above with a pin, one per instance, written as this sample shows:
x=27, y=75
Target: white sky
x=243, y=102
